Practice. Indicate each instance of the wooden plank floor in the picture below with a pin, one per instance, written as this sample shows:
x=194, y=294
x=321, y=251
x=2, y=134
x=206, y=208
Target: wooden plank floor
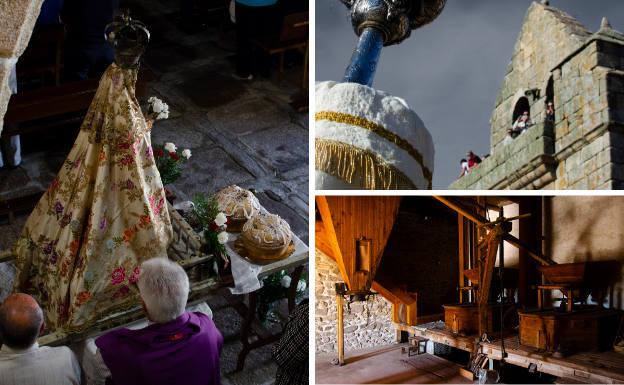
x=387, y=365
x=596, y=367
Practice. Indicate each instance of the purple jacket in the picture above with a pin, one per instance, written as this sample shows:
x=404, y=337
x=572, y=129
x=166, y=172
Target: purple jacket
x=183, y=351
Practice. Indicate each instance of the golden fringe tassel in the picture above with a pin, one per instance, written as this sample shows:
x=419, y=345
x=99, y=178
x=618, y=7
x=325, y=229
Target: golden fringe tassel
x=360, y=167
x=377, y=129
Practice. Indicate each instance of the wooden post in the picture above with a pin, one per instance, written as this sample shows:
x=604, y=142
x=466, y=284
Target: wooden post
x=340, y=308
x=460, y=227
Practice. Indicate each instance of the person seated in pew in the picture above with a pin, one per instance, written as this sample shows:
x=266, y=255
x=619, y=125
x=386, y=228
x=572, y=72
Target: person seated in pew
x=22, y=360
x=177, y=347
x=87, y=53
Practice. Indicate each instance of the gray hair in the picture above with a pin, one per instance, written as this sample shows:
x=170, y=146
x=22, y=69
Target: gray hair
x=164, y=287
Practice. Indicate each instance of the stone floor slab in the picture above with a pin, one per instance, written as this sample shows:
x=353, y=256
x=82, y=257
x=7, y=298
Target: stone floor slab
x=284, y=147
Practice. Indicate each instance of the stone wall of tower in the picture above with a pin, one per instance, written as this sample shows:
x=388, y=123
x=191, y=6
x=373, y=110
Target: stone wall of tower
x=584, y=148
x=548, y=35
x=589, y=95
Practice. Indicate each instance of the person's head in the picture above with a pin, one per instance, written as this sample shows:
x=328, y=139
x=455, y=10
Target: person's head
x=463, y=161
x=550, y=104
x=164, y=288
x=21, y=321
x=470, y=154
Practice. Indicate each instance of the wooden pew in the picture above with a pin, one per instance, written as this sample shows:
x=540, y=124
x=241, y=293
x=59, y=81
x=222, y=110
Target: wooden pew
x=293, y=36
x=31, y=111
x=44, y=54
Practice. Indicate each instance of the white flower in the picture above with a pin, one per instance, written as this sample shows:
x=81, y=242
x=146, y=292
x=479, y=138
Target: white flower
x=285, y=281
x=170, y=147
x=157, y=106
x=301, y=285
x=220, y=219
x=187, y=154
x=222, y=237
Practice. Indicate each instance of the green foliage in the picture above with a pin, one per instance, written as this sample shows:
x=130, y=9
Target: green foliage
x=168, y=164
x=205, y=211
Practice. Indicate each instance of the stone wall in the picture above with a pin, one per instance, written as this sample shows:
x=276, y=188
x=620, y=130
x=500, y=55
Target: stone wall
x=369, y=324
x=589, y=87
x=18, y=19
x=525, y=163
x=587, y=228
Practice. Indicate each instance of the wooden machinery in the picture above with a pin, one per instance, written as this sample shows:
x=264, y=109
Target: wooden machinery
x=574, y=325
x=492, y=289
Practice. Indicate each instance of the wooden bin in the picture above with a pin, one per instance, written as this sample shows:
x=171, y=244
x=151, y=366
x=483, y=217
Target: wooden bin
x=569, y=332
x=463, y=318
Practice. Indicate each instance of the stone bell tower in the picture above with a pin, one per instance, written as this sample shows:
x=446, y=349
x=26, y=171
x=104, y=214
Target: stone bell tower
x=556, y=59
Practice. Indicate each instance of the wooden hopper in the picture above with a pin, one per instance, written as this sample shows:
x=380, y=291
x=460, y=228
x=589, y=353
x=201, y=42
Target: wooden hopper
x=356, y=230
x=589, y=274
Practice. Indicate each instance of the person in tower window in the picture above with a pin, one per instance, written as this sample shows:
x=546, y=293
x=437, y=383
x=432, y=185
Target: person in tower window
x=520, y=125
x=550, y=112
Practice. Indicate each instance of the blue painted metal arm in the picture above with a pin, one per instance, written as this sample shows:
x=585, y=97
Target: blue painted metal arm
x=365, y=57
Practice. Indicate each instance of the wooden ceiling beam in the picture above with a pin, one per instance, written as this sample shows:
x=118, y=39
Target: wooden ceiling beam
x=330, y=236
x=463, y=210
x=321, y=241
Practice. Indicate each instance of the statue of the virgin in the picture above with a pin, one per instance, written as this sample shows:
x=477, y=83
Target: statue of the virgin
x=105, y=212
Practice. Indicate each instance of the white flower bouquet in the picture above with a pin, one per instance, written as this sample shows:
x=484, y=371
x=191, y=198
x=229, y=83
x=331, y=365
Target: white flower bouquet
x=157, y=109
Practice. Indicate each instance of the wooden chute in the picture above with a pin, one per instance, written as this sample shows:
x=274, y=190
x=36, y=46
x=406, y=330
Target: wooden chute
x=347, y=220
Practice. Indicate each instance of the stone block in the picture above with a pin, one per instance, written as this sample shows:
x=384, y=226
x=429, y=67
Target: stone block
x=18, y=19
x=5, y=92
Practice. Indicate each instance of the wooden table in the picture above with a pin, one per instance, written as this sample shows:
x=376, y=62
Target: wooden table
x=251, y=325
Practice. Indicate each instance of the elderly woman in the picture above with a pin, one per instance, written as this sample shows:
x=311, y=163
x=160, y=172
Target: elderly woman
x=177, y=347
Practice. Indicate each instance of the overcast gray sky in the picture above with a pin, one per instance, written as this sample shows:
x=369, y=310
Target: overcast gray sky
x=449, y=71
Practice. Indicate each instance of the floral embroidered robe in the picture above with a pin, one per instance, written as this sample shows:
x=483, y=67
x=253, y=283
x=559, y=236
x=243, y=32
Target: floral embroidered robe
x=104, y=213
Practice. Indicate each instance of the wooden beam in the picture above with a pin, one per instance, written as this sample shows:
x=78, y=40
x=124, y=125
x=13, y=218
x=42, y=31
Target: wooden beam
x=461, y=252
x=486, y=269
x=480, y=220
x=330, y=236
x=397, y=297
x=517, y=243
x=321, y=241
x=340, y=320
x=461, y=209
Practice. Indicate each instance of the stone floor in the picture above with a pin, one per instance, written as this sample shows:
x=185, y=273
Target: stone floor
x=243, y=133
